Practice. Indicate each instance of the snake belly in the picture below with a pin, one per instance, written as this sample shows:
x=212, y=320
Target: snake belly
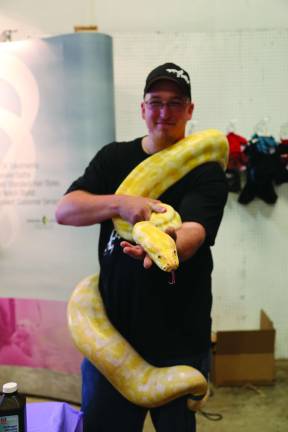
x=91, y=330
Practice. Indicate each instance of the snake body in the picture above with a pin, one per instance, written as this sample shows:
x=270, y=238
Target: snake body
x=140, y=382
x=92, y=332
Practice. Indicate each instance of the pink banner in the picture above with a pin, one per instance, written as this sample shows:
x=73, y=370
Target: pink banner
x=56, y=112
x=34, y=333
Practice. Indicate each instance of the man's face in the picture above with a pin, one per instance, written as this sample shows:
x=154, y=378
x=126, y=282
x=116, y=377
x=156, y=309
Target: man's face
x=166, y=112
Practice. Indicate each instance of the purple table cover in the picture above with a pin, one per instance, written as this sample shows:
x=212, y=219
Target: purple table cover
x=53, y=417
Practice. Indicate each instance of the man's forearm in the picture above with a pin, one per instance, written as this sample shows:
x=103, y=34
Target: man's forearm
x=190, y=236
x=80, y=208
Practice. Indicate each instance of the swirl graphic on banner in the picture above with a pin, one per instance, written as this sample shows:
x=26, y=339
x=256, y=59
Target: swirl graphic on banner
x=18, y=158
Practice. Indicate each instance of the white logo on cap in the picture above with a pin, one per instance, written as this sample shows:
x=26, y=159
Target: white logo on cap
x=180, y=74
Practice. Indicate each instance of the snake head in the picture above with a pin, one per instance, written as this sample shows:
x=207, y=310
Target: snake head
x=157, y=244
x=167, y=260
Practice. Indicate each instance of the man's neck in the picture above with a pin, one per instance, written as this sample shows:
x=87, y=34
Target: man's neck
x=151, y=146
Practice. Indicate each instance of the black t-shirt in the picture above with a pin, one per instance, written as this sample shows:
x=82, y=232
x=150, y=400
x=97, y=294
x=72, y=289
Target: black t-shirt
x=159, y=320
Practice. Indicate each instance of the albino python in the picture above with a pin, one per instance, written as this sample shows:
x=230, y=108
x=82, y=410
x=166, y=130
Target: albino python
x=92, y=332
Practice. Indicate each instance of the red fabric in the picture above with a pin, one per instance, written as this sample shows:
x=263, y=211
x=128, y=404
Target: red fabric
x=237, y=157
x=284, y=156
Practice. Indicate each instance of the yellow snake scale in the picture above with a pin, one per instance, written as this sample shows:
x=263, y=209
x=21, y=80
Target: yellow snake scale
x=92, y=332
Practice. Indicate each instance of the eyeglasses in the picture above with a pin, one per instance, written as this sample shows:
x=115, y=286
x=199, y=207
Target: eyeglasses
x=172, y=105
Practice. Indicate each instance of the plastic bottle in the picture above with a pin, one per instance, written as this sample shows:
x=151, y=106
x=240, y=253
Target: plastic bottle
x=12, y=409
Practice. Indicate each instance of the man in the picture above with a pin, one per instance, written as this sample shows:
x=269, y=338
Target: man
x=166, y=324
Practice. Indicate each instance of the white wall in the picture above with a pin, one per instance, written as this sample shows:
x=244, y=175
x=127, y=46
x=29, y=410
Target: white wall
x=32, y=17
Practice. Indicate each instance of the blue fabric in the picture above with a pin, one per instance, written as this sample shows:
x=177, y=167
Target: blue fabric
x=264, y=144
x=106, y=410
x=53, y=417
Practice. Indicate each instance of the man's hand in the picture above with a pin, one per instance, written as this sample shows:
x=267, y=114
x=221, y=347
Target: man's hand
x=135, y=209
x=137, y=252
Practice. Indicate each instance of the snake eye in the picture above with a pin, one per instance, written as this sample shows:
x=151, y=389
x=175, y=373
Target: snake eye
x=159, y=256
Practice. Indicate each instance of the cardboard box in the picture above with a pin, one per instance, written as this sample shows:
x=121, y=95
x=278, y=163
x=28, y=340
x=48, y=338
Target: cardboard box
x=244, y=356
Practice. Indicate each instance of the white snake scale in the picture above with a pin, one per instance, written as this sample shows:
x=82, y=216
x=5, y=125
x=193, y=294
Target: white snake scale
x=92, y=332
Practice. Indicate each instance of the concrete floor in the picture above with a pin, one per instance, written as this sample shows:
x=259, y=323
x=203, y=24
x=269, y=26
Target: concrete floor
x=244, y=409
x=248, y=408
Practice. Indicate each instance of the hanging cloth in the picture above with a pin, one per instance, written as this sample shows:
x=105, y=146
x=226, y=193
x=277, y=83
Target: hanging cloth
x=237, y=158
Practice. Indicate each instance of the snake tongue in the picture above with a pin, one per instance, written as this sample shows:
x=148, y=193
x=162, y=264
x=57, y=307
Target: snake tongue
x=173, y=278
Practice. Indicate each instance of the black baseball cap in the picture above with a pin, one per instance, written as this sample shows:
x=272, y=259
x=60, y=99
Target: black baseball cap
x=171, y=72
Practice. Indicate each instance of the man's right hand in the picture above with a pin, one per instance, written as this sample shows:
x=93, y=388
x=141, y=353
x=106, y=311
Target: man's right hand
x=135, y=209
